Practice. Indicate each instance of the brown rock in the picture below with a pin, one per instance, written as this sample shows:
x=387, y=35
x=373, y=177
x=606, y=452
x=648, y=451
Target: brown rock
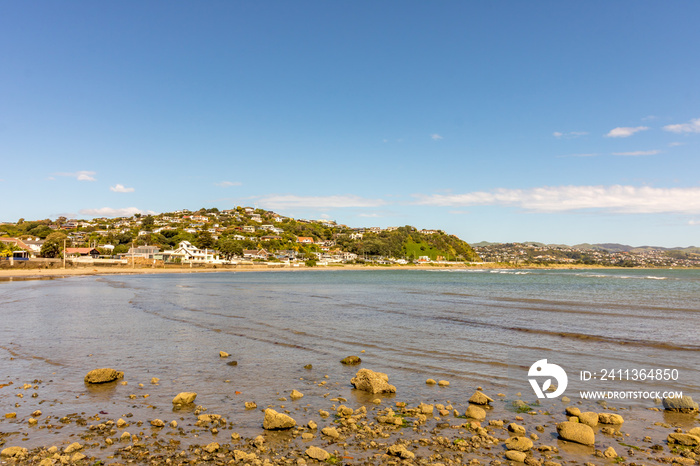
x=478, y=398
x=610, y=418
x=684, y=439
x=277, y=421
x=576, y=432
x=372, y=382
x=474, y=412
x=103, y=375
x=589, y=418
x=515, y=455
x=518, y=443
x=184, y=398
x=351, y=360
x=317, y=453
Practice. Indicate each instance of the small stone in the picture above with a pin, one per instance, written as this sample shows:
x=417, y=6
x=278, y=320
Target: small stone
x=32, y=421
x=444, y=383
x=373, y=382
x=77, y=457
x=103, y=376
x=277, y=421
x=572, y=411
x=317, y=453
x=75, y=446
x=157, y=423
x=400, y=451
x=14, y=452
x=589, y=418
x=121, y=423
x=250, y=405
x=184, y=398
x=478, y=398
x=517, y=429
x=312, y=425
x=684, y=404
x=351, y=360
x=576, y=432
x=684, y=439
x=155, y=380
x=36, y=413
x=235, y=436
x=173, y=424
x=331, y=432
x=223, y=354
x=610, y=453
x=426, y=409
x=295, y=395
x=10, y=415
x=518, y=443
x=610, y=418
x=515, y=455
x=308, y=366
x=212, y=447
x=474, y=412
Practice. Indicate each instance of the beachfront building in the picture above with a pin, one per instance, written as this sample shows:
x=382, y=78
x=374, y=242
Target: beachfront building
x=82, y=252
x=187, y=253
x=145, y=252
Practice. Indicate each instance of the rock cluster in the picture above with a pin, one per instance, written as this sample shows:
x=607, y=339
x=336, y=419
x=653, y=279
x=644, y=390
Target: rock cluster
x=372, y=382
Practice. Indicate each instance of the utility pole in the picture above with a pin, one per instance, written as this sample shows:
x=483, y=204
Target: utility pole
x=64, y=253
x=133, y=255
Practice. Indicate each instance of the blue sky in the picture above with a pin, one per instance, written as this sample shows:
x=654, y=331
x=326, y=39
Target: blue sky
x=561, y=122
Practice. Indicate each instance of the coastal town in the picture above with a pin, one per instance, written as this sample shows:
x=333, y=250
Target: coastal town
x=246, y=235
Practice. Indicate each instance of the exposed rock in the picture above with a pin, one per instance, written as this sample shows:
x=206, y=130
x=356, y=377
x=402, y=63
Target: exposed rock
x=250, y=405
x=515, y=428
x=232, y=363
x=103, y=375
x=400, y=451
x=75, y=446
x=610, y=418
x=431, y=382
x=372, y=382
x=157, y=423
x=576, y=432
x=572, y=411
x=426, y=409
x=77, y=456
x=589, y=418
x=331, y=432
x=312, y=425
x=317, y=453
x=684, y=439
x=184, y=398
x=241, y=456
x=684, y=404
x=212, y=447
x=478, y=398
x=223, y=354
x=610, y=453
x=474, y=412
x=443, y=383
x=344, y=411
x=351, y=360
x=14, y=452
x=515, y=455
x=277, y=421
x=121, y=423
x=518, y=443
x=309, y=366
x=296, y=394
x=695, y=431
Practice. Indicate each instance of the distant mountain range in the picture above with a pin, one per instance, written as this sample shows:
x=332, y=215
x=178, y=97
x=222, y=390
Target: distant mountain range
x=609, y=247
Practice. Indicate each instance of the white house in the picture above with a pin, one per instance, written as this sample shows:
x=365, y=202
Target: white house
x=187, y=253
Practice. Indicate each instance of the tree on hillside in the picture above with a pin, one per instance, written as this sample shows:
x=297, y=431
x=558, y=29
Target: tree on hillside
x=53, y=246
x=147, y=222
x=205, y=240
x=229, y=248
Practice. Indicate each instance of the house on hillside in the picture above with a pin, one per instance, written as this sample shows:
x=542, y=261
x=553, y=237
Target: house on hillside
x=187, y=253
x=82, y=252
x=252, y=254
x=305, y=240
x=32, y=246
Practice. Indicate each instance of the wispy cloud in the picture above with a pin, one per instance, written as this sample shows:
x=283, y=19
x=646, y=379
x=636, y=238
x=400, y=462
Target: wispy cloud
x=368, y=215
x=318, y=202
x=692, y=127
x=228, y=184
x=675, y=144
x=120, y=188
x=112, y=212
x=650, y=118
x=693, y=222
x=83, y=175
x=435, y=137
x=569, y=135
x=638, y=153
x=616, y=199
x=625, y=132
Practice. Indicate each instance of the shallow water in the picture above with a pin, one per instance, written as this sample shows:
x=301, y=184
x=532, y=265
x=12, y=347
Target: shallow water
x=471, y=327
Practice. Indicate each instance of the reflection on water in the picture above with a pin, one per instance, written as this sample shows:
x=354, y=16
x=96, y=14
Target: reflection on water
x=470, y=327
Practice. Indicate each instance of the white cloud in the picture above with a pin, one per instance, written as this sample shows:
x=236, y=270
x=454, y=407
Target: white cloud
x=675, y=144
x=692, y=127
x=579, y=155
x=617, y=199
x=369, y=215
x=638, y=153
x=569, y=135
x=435, y=137
x=318, y=202
x=83, y=175
x=625, y=132
x=650, y=118
x=112, y=212
x=227, y=184
x=120, y=188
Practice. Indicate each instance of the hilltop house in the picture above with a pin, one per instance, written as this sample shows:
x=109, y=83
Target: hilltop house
x=305, y=240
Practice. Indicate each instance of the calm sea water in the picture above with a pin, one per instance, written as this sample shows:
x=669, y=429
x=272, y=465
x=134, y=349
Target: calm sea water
x=471, y=327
